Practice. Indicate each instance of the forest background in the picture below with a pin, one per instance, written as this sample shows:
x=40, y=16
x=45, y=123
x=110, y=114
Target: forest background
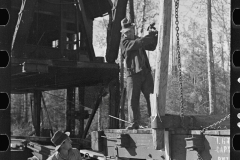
x=193, y=49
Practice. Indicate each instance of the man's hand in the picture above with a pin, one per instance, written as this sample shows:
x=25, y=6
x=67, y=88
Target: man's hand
x=152, y=32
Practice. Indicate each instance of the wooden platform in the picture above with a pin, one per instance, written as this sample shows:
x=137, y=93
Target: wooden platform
x=34, y=74
x=139, y=144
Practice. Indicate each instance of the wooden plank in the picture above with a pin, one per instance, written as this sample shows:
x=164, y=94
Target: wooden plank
x=96, y=65
x=167, y=146
x=216, y=147
x=161, y=76
x=126, y=131
x=141, y=152
x=114, y=34
x=96, y=105
x=70, y=111
x=87, y=29
x=22, y=28
x=137, y=146
x=178, y=144
x=36, y=112
x=53, y=62
x=192, y=122
x=114, y=103
x=212, y=132
x=30, y=67
x=81, y=95
x=18, y=61
x=122, y=106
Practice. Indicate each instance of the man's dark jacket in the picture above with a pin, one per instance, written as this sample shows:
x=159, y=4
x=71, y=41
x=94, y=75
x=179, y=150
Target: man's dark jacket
x=130, y=50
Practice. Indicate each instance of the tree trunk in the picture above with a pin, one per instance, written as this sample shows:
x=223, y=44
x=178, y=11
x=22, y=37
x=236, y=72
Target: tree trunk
x=143, y=17
x=210, y=62
x=99, y=118
x=224, y=75
x=19, y=111
x=131, y=11
x=25, y=108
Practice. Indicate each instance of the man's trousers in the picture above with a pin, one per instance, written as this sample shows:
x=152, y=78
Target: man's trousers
x=137, y=83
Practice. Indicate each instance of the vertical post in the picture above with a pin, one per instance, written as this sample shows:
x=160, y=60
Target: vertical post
x=25, y=107
x=114, y=103
x=36, y=111
x=96, y=105
x=87, y=27
x=99, y=118
x=210, y=62
x=122, y=107
x=70, y=119
x=81, y=94
x=131, y=11
x=119, y=12
x=158, y=99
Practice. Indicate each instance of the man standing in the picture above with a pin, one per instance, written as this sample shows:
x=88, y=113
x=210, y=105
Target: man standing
x=139, y=77
x=64, y=150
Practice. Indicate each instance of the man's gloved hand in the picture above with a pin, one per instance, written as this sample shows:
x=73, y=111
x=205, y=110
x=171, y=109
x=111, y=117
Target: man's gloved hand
x=152, y=32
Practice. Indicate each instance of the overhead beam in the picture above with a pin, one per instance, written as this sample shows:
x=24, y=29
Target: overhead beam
x=22, y=28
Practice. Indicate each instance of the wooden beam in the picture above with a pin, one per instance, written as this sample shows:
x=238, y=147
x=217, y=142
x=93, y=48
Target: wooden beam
x=45, y=108
x=97, y=103
x=36, y=111
x=161, y=76
x=24, y=22
x=167, y=147
x=114, y=101
x=87, y=28
x=70, y=111
x=81, y=95
x=114, y=35
x=122, y=106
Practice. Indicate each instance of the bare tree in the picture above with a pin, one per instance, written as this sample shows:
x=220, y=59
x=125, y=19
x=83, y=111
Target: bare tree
x=210, y=62
x=143, y=17
x=26, y=107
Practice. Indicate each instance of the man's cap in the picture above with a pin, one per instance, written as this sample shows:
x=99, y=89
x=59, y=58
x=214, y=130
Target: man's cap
x=58, y=138
x=126, y=25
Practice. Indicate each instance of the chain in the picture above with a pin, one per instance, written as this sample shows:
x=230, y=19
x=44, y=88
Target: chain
x=215, y=124
x=199, y=156
x=179, y=59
